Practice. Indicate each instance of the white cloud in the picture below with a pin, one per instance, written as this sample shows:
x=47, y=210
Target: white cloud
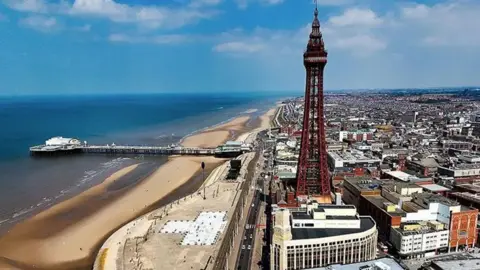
x=446, y=24
x=243, y=4
x=148, y=16
x=202, y=3
x=41, y=23
x=356, y=17
x=38, y=6
x=238, y=47
x=352, y=31
x=334, y=2
x=158, y=39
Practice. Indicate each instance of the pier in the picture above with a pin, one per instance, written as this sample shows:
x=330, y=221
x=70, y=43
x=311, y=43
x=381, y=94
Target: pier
x=121, y=150
x=62, y=146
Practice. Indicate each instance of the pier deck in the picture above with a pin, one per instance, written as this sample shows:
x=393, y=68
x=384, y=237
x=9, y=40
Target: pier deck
x=44, y=150
x=122, y=149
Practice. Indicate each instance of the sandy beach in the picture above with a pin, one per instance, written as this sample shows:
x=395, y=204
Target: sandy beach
x=68, y=235
x=214, y=136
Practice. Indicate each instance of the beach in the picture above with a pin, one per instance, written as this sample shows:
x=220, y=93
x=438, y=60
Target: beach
x=68, y=235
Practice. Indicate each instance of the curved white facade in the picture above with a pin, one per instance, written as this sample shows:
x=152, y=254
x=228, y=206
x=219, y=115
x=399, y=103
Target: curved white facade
x=304, y=248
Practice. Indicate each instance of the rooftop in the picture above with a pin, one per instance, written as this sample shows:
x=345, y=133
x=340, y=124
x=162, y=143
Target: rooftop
x=427, y=198
x=422, y=230
x=379, y=201
x=355, y=266
x=470, y=187
x=466, y=262
x=351, y=156
x=435, y=188
x=366, y=223
x=402, y=176
x=364, y=183
x=467, y=196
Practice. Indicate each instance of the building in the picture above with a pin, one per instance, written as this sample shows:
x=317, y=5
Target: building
x=461, y=220
x=393, y=203
x=457, y=145
x=461, y=170
x=425, y=166
x=347, y=161
x=60, y=141
x=453, y=262
x=317, y=235
x=419, y=239
x=356, y=135
x=378, y=264
x=406, y=177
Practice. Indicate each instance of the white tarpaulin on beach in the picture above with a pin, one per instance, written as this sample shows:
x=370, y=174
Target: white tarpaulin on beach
x=204, y=230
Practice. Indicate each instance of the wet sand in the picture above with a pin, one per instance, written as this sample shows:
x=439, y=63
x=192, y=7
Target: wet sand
x=219, y=134
x=68, y=235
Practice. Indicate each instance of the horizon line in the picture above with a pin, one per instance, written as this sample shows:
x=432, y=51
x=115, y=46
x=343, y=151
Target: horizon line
x=264, y=92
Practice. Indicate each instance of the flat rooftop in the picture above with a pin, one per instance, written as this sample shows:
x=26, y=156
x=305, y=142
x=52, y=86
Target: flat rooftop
x=352, y=156
x=419, y=231
x=355, y=266
x=467, y=196
x=460, y=261
x=470, y=187
x=378, y=201
x=402, y=176
x=427, y=198
x=364, y=183
x=435, y=188
x=366, y=223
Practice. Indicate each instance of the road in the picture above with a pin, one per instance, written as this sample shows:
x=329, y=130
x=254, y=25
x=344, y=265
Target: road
x=244, y=257
x=248, y=240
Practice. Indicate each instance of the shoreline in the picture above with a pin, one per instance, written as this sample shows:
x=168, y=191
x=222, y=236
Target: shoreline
x=82, y=257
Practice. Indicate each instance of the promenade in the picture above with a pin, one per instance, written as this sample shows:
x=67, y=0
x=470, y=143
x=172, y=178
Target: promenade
x=140, y=245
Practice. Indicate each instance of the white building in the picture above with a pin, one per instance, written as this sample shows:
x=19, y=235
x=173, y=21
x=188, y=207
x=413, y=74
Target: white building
x=318, y=235
x=60, y=141
x=421, y=239
x=358, y=135
x=353, y=159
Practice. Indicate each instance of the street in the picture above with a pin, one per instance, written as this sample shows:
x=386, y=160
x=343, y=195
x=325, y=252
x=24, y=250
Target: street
x=248, y=240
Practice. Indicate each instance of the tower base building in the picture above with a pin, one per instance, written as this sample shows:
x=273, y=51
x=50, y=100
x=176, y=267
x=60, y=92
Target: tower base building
x=317, y=235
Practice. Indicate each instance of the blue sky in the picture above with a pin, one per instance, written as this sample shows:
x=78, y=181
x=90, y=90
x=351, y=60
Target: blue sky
x=121, y=46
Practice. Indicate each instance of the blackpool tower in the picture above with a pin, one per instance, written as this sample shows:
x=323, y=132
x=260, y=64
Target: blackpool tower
x=313, y=178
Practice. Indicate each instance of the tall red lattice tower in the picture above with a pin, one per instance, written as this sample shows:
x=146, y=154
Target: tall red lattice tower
x=313, y=177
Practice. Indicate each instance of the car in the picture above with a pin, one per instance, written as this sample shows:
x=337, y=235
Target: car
x=249, y=247
x=243, y=246
x=250, y=236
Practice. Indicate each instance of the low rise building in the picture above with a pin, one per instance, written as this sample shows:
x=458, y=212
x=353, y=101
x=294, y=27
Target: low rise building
x=461, y=171
x=347, y=161
x=356, y=135
x=419, y=239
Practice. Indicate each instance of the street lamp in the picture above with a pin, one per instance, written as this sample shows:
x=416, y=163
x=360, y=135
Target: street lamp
x=203, y=176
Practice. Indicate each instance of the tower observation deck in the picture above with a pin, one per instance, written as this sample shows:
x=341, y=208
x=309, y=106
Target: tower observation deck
x=313, y=178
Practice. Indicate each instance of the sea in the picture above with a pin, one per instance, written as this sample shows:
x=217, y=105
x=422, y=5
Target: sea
x=28, y=185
